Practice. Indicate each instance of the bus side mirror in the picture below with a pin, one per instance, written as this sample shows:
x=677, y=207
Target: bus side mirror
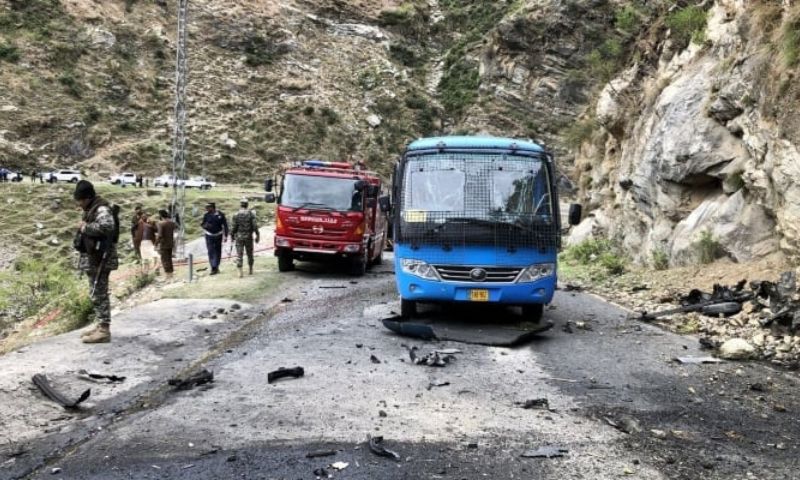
x=575, y=213
x=385, y=204
x=269, y=197
x=268, y=185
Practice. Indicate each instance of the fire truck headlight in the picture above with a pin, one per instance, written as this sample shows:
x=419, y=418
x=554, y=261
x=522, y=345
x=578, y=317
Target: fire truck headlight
x=420, y=269
x=282, y=242
x=352, y=248
x=537, y=271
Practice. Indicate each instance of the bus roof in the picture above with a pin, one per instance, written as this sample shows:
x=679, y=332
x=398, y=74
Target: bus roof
x=474, y=142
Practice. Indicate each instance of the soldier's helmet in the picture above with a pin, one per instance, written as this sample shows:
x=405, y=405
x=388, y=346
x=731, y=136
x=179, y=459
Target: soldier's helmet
x=244, y=202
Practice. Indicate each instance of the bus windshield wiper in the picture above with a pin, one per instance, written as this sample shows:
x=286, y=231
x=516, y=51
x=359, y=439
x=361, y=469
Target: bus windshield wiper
x=309, y=204
x=483, y=222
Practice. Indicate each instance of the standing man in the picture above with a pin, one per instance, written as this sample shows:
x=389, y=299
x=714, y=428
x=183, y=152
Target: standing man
x=98, y=233
x=244, y=226
x=215, y=228
x=136, y=232
x=165, y=243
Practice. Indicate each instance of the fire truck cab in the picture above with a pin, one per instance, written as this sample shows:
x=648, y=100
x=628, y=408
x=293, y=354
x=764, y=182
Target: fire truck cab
x=329, y=211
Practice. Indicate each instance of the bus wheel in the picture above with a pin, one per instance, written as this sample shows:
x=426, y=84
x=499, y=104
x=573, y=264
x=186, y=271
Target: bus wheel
x=285, y=262
x=408, y=308
x=533, y=312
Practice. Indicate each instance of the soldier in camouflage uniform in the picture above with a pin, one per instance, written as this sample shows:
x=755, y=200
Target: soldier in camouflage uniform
x=244, y=227
x=98, y=234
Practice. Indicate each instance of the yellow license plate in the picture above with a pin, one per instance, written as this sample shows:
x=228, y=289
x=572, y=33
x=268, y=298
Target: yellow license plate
x=479, y=295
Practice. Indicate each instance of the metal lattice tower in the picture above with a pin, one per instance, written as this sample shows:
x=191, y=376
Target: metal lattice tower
x=179, y=134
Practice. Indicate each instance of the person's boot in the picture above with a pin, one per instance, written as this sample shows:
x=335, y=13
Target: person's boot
x=90, y=331
x=241, y=271
x=102, y=334
x=251, y=269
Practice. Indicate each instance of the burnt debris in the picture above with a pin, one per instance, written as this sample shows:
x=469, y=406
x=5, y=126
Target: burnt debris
x=201, y=378
x=376, y=447
x=41, y=381
x=295, y=372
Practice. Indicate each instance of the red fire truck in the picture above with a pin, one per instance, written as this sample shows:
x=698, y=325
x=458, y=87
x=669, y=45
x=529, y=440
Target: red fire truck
x=329, y=211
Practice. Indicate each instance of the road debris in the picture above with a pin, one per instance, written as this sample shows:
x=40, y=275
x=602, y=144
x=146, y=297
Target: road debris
x=624, y=424
x=437, y=383
x=376, y=447
x=320, y=453
x=321, y=473
x=545, y=452
x=736, y=349
x=97, y=376
x=696, y=360
x=374, y=359
x=432, y=359
x=40, y=380
x=339, y=465
x=295, y=372
x=447, y=351
x=201, y=378
x=534, y=404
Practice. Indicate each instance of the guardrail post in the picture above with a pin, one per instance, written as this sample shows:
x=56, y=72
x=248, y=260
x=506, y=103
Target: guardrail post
x=191, y=267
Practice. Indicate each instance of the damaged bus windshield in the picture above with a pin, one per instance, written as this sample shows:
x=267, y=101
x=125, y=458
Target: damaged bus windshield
x=501, y=188
x=330, y=193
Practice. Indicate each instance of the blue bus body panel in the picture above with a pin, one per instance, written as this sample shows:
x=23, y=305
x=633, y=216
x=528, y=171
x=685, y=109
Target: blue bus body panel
x=473, y=142
x=415, y=288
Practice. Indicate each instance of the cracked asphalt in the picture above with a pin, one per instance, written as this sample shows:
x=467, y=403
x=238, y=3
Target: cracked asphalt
x=618, y=403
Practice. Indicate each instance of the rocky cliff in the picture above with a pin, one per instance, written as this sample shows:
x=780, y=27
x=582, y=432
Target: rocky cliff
x=697, y=143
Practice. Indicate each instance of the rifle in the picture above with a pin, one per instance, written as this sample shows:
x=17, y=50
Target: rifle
x=697, y=307
x=99, y=270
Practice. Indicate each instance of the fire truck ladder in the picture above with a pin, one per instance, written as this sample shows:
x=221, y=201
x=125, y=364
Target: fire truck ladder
x=179, y=133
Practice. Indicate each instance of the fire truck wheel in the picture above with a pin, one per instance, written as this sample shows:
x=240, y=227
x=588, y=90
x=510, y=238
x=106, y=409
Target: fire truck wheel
x=408, y=308
x=285, y=262
x=533, y=312
x=358, y=265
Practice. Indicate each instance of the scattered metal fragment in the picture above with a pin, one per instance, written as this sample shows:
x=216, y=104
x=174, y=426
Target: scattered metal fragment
x=437, y=383
x=40, y=380
x=432, y=359
x=639, y=288
x=721, y=301
x=376, y=447
x=625, y=424
x=448, y=351
x=332, y=286
x=201, y=378
x=295, y=372
x=570, y=287
x=320, y=453
x=534, y=403
x=545, y=452
x=567, y=328
x=287, y=300
x=709, y=344
x=321, y=472
x=374, y=359
x=339, y=465
x=97, y=376
x=696, y=360
x=758, y=387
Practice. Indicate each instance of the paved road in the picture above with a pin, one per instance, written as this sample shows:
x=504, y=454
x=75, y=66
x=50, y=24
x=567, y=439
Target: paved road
x=618, y=404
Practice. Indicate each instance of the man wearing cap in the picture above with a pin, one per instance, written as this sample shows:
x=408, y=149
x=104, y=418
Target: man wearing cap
x=215, y=228
x=97, y=238
x=244, y=227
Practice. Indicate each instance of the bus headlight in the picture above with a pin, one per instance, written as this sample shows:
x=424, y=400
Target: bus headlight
x=419, y=268
x=537, y=271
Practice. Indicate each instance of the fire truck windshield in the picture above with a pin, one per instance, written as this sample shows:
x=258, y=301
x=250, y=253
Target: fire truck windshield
x=329, y=193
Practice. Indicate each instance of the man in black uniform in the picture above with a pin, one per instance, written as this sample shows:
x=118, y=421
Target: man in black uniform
x=215, y=228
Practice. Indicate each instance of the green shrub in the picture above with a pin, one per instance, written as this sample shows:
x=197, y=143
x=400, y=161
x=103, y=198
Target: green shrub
x=627, y=19
x=612, y=263
x=587, y=251
x=405, y=55
x=71, y=83
x=708, y=248
x=579, y=132
x=660, y=259
x=459, y=87
x=594, y=258
x=143, y=279
x=606, y=60
x=329, y=115
x=688, y=24
x=790, y=42
x=9, y=53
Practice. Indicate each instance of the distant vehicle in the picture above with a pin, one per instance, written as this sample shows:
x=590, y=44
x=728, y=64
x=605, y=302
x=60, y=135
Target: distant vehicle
x=198, y=182
x=71, y=176
x=164, y=181
x=123, y=179
x=329, y=211
x=12, y=176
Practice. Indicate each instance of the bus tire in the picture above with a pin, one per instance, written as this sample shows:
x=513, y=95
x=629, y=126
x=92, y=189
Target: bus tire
x=408, y=308
x=533, y=312
x=285, y=262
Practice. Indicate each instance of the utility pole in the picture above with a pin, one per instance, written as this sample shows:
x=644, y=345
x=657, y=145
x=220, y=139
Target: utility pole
x=179, y=134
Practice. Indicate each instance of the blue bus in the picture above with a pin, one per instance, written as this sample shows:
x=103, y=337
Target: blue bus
x=477, y=219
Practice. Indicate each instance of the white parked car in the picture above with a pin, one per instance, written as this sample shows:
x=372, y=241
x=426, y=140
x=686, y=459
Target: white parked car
x=71, y=176
x=199, y=182
x=164, y=181
x=123, y=179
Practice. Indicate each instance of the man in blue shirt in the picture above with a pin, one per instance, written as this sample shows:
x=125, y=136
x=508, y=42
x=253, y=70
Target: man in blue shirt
x=215, y=228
